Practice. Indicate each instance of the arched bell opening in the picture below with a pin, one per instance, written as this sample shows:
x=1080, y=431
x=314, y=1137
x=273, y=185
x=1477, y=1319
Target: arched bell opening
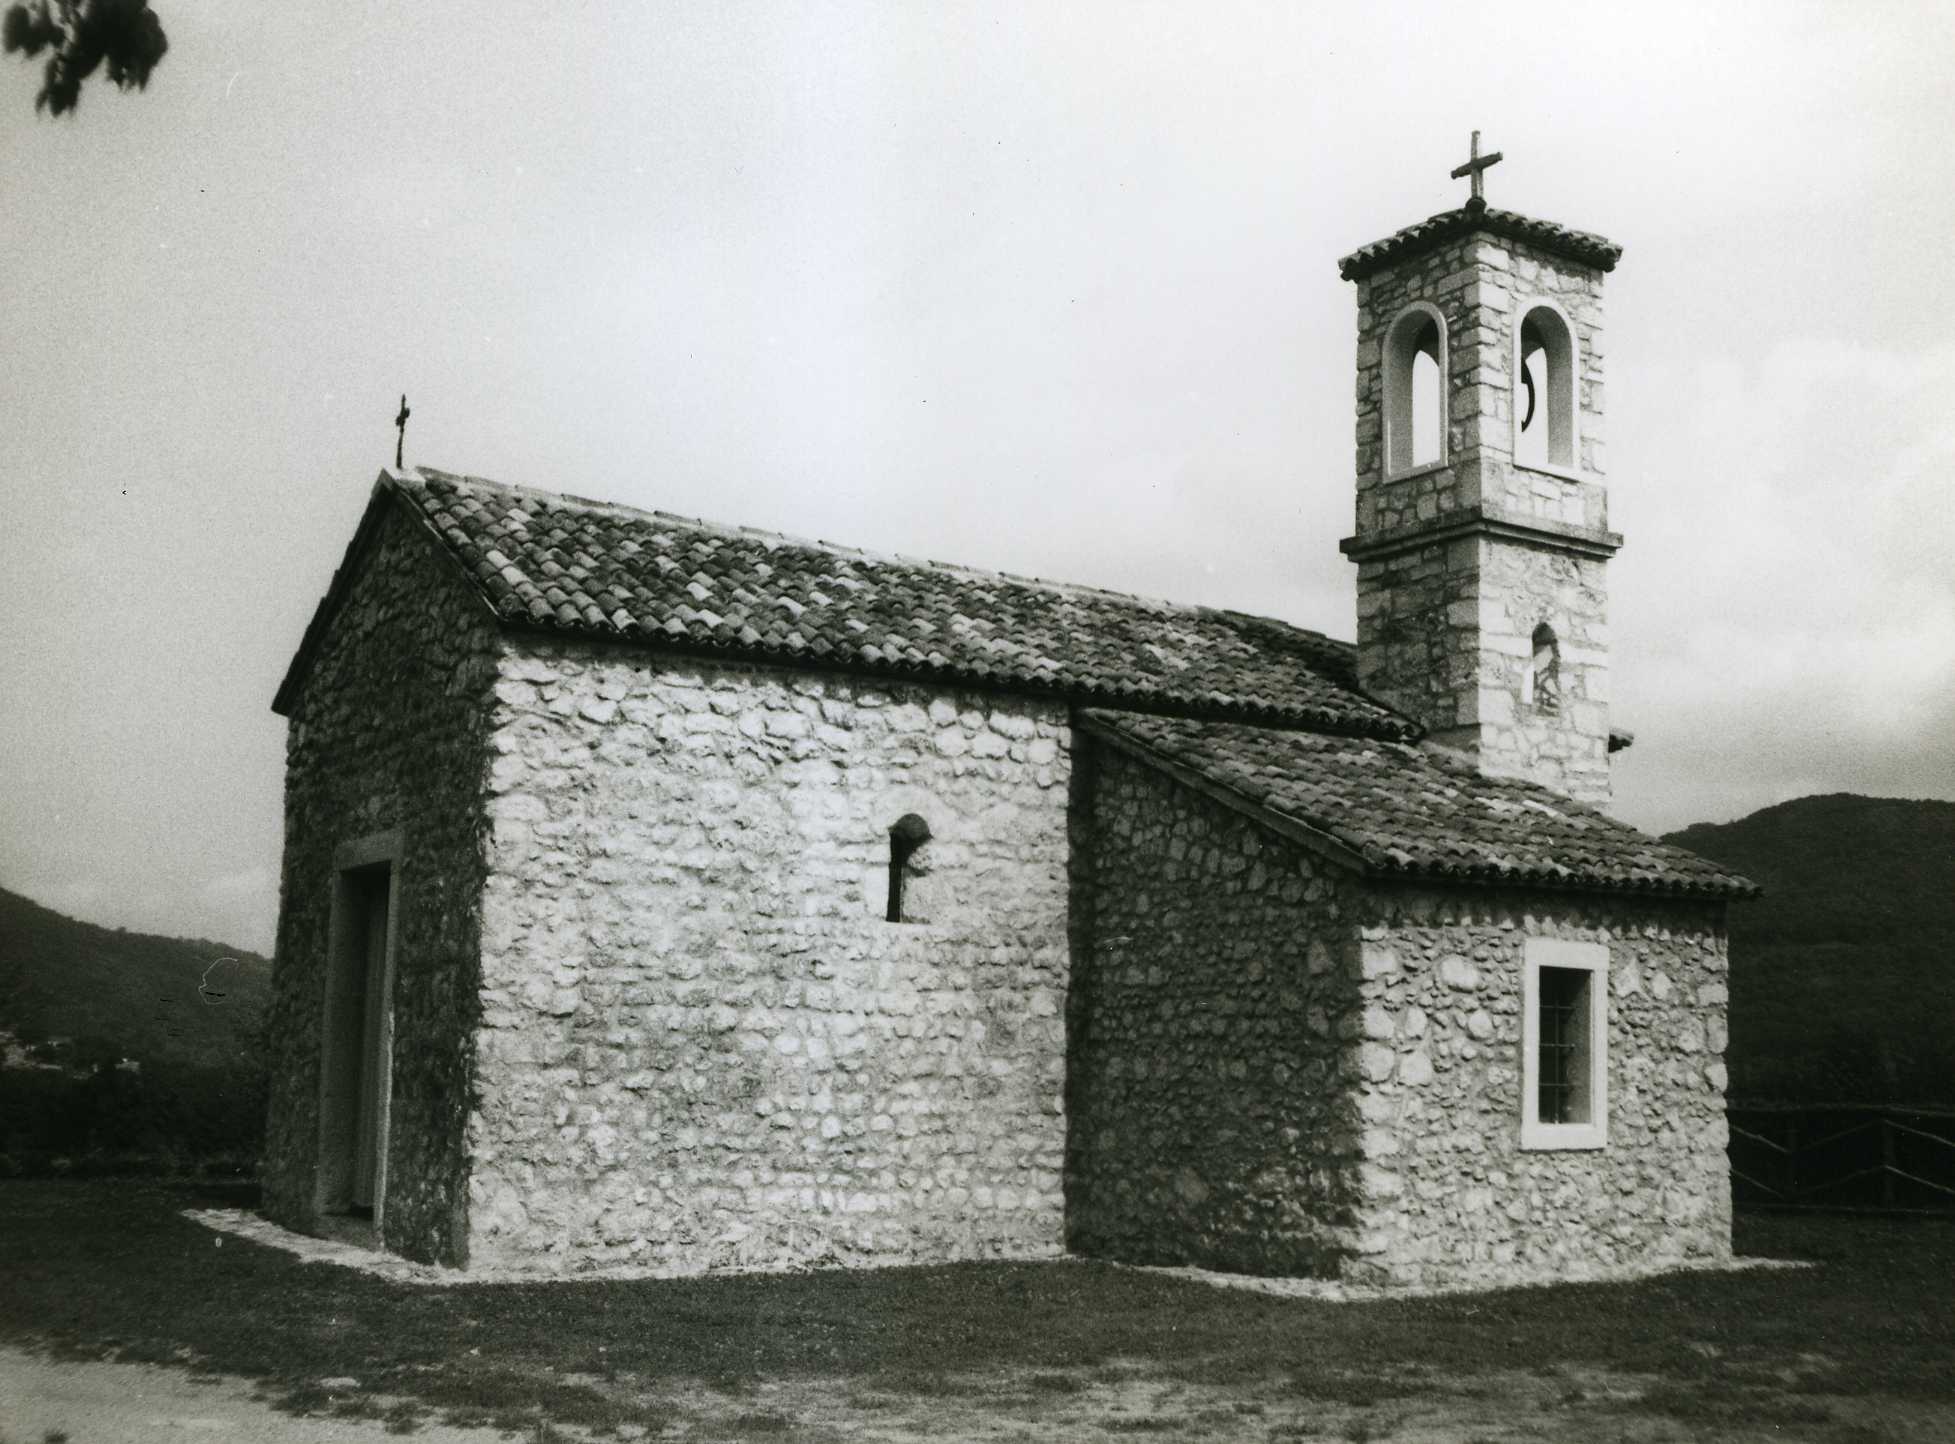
x=1415, y=390
x=1544, y=392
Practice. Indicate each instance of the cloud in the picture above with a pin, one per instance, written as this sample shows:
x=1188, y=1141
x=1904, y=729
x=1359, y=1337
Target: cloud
x=1786, y=604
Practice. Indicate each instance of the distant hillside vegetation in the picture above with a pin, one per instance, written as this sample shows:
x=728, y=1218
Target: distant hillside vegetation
x=155, y=999
x=77, y=1000
x=1843, y=975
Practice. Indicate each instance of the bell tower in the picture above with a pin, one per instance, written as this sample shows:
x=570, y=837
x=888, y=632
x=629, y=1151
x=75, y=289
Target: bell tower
x=1482, y=532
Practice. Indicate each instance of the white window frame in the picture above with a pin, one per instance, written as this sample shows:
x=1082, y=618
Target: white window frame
x=1593, y=958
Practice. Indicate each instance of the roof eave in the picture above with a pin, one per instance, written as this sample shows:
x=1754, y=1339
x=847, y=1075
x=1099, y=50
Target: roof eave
x=1414, y=875
x=1388, y=727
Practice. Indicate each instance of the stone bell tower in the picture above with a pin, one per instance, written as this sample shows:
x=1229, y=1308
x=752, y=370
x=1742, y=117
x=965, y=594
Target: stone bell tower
x=1482, y=521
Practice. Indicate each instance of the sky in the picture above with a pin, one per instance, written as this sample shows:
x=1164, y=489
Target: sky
x=1050, y=289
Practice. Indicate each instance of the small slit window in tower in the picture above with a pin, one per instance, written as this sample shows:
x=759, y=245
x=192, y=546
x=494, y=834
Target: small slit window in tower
x=906, y=838
x=1541, y=680
x=1415, y=391
x=1544, y=398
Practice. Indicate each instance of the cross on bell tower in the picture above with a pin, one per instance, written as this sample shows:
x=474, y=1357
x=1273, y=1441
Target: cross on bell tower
x=1476, y=166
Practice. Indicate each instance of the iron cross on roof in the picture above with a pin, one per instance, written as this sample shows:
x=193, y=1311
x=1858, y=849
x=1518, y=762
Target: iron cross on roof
x=1476, y=167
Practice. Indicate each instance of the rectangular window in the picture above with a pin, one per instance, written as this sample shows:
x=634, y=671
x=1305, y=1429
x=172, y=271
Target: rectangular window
x=1565, y=1045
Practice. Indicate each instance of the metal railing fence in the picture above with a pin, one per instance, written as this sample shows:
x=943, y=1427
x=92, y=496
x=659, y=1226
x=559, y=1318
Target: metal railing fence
x=1843, y=1156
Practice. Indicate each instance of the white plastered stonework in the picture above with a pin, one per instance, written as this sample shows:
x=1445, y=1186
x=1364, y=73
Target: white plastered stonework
x=702, y=1044
x=1453, y=1192
x=1564, y=744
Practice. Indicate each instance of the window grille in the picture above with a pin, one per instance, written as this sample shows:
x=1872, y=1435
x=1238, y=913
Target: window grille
x=1563, y=1045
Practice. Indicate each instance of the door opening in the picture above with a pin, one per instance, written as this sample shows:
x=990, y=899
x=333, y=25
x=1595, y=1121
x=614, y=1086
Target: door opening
x=356, y=1076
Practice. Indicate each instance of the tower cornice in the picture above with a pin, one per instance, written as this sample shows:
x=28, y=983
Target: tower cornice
x=1483, y=520
x=1583, y=247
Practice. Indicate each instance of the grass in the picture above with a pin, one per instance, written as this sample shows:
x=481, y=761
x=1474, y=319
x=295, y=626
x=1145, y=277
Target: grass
x=111, y=1270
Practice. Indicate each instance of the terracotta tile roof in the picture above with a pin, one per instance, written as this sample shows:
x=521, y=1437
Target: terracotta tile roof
x=1402, y=810
x=1590, y=250
x=558, y=562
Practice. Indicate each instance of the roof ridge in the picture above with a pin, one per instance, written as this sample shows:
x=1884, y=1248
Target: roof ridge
x=957, y=569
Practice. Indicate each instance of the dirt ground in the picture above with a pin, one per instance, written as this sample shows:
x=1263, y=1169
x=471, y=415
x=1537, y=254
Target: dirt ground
x=108, y=1403
x=120, y=1403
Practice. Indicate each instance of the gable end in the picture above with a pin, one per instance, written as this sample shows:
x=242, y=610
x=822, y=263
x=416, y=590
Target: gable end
x=385, y=495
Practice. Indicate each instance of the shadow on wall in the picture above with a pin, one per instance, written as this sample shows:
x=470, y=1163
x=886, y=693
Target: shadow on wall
x=1211, y=1102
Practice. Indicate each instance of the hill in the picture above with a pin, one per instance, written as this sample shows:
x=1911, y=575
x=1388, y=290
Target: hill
x=158, y=1000
x=126, y=1053
x=1843, y=975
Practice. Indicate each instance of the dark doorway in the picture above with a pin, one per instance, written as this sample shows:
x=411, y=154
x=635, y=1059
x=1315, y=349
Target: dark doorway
x=358, y=1045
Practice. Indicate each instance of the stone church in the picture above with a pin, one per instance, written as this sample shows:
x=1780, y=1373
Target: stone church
x=671, y=896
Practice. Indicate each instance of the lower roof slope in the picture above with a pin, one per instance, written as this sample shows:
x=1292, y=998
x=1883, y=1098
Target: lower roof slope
x=559, y=563
x=1395, y=810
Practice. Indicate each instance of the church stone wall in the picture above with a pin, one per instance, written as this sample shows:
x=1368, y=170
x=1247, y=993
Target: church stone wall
x=702, y=1044
x=1450, y=1195
x=1215, y=1036
x=389, y=732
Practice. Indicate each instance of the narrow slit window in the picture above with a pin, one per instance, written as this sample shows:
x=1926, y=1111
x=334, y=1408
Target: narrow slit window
x=1541, y=680
x=906, y=839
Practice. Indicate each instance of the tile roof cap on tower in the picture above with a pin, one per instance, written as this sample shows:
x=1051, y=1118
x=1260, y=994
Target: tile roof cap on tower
x=1581, y=246
x=551, y=562
x=1396, y=811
